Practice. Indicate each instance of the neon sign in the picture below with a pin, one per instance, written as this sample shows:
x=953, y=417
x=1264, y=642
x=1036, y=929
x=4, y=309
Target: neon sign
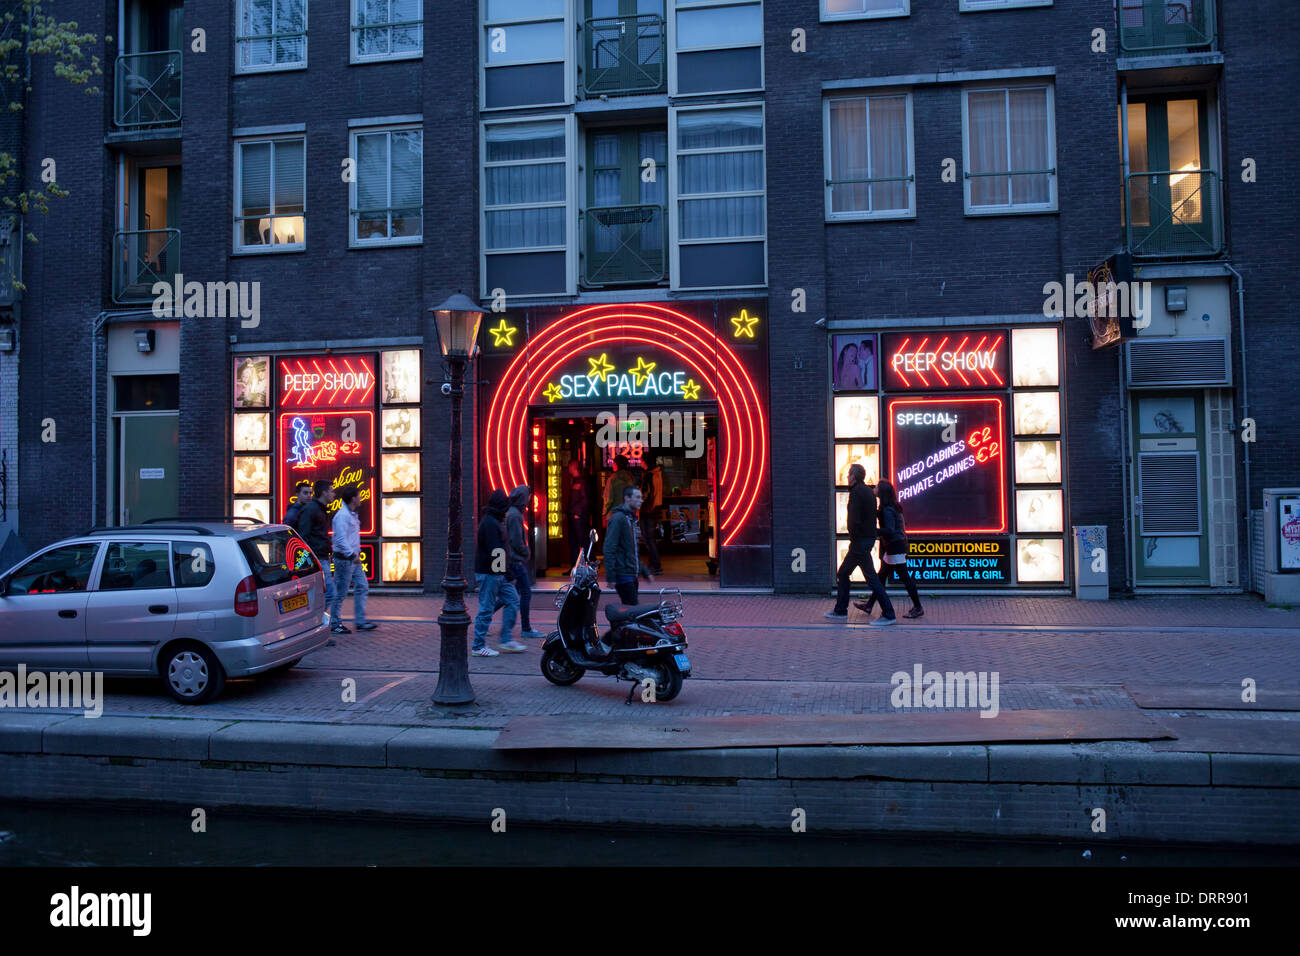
x=662, y=384
x=958, y=360
x=742, y=411
x=305, y=454
x=337, y=445
x=554, y=525
x=947, y=459
x=327, y=381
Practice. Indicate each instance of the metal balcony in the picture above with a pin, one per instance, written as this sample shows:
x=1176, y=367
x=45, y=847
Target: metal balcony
x=624, y=245
x=147, y=89
x=625, y=55
x=1174, y=214
x=1165, y=26
x=142, y=257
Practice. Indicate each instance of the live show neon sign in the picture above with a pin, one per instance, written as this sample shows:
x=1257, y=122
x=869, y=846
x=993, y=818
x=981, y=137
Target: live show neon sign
x=958, y=360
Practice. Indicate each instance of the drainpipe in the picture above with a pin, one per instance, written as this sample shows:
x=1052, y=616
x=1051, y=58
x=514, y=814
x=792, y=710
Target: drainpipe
x=1245, y=393
x=1129, y=569
x=100, y=321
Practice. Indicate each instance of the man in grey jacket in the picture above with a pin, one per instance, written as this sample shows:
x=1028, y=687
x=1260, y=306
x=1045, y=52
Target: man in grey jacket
x=520, y=556
x=622, y=564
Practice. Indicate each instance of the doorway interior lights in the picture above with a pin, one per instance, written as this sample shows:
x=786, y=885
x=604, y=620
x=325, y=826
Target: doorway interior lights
x=742, y=415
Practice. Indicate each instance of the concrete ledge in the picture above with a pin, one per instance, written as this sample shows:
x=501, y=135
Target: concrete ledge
x=327, y=745
x=946, y=762
x=446, y=748
x=1255, y=770
x=21, y=733
x=747, y=762
x=1096, y=763
x=180, y=739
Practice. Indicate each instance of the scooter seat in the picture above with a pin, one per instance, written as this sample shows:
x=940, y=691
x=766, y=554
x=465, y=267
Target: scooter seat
x=618, y=613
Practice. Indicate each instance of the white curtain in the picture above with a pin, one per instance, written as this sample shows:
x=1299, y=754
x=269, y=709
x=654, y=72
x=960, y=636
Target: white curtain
x=720, y=172
x=524, y=184
x=987, y=119
x=1008, y=132
x=1029, y=146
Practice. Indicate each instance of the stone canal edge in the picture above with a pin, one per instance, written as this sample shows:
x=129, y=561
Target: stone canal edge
x=1039, y=790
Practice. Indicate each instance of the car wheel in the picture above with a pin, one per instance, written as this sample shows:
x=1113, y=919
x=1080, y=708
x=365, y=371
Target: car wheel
x=192, y=673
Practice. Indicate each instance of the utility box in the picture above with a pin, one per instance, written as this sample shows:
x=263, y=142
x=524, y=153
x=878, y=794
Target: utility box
x=1091, y=568
x=1282, y=545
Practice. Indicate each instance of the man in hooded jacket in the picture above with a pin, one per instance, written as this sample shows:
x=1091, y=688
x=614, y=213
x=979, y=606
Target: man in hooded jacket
x=622, y=563
x=520, y=557
x=491, y=561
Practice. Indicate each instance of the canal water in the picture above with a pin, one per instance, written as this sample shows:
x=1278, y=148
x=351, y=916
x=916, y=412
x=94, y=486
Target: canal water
x=79, y=835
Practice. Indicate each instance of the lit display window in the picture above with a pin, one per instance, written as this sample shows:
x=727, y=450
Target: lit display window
x=857, y=416
x=401, y=562
x=847, y=455
x=842, y=550
x=253, y=382
x=401, y=427
x=401, y=372
x=401, y=473
x=1037, y=413
x=1040, y=560
x=252, y=475
x=259, y=509
x=401, y=518
x=1038, y=462
x=1034, y=358
x=1039, y=511
x=252, y=431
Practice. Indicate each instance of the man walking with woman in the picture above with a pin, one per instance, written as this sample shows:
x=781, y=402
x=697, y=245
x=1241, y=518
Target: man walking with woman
x=893, y=550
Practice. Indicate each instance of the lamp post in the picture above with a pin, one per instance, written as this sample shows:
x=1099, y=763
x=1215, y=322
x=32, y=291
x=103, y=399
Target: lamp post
x=458, y=321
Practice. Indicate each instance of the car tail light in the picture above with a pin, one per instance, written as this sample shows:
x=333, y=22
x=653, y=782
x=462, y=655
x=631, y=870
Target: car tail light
x=246, y=597
x=674, y=629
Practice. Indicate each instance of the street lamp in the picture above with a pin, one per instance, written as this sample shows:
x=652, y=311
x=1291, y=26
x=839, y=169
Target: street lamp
x=458, y=320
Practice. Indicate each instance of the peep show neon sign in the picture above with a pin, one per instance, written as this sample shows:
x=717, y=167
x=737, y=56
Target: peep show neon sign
x=945, y=361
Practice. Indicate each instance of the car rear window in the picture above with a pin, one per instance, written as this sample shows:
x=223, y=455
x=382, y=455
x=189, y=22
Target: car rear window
x=192, y=564
x=278, y=556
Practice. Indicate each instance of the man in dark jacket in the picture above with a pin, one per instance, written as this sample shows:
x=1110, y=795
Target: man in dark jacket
x=622, y=565
x=301, y=497
x=491, y=564
x=862, y=535
x=578, y=509
x=520, y=557
x=313, y=526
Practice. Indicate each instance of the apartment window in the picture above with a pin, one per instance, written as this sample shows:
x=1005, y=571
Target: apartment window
x=862, y=9
x=526, y=206
x=718, y=46
x=719, y=197
x=271, y=195
x=272, y=35
x=525, y=52
x=1001, y=4
x=869, y=158
x=388, y=193
x=1010, y=151
x=387, y=29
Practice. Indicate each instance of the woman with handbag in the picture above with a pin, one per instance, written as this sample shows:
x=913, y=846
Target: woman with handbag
x=893, y=549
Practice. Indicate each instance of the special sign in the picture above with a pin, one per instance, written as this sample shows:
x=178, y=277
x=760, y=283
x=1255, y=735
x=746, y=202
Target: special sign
x=945, y=360
x=948, y=459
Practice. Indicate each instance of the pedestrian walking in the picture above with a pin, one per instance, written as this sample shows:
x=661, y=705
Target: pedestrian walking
x=347, y=564
x=862, y=535
x=622, y=565
x=651, y=496
x=578, y=510
x=893, y=549
x=521, y=557
x=313, y=526
x=620, y=479
x=302, y=495
x=492, y=550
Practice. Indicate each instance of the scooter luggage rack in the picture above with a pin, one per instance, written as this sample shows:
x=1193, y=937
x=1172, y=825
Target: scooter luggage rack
x=670, y=606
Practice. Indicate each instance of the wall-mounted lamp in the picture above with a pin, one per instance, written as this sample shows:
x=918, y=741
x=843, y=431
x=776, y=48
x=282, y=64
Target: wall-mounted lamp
x=144, y=339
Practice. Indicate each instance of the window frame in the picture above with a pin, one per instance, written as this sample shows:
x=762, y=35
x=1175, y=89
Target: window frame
x=675, y=197
x=273, y=67
x=869, y=216
x=570, y=204
x=123, y=542
x=1023, y=209
x=827, y=17
x=673, y=7
x=354, y=241
x=354, y=30
x=92, y=580
x=237, y=246
x=979, y=6
x=569, y=58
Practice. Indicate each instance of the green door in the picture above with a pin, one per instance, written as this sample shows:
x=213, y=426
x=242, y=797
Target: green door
x=1172, y=204
x=1170, y=515
x=625, y=226
x=625, y=47
x=148, y=486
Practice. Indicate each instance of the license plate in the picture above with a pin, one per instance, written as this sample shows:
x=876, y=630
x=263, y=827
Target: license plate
x=683, y=662
x=293, y=603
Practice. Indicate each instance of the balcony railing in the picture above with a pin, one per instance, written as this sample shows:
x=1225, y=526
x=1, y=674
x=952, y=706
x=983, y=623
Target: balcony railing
x=1165, y=26
x=624, y=245
x=625, y=55
x=147, y=89
x=1175, y=213
x=142, y=257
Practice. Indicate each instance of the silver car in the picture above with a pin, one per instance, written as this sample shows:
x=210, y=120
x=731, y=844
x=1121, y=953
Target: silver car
x=192, y=603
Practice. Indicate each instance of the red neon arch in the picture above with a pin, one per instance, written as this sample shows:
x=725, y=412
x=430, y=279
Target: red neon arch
x=744, y=421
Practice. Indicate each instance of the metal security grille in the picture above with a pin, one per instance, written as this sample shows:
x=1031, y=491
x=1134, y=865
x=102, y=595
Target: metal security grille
x=1257, y=551
x=1169, y=486
x=1158, y=362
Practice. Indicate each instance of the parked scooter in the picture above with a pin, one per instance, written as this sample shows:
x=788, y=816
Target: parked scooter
x=645, y=642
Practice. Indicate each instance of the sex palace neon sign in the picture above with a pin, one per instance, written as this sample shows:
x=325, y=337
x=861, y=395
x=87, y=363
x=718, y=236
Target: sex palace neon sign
x=945, y=360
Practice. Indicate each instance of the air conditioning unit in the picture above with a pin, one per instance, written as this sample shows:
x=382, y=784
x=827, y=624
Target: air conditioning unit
x=1162, y=362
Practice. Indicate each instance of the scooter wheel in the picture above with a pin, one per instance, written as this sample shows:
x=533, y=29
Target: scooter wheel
x=558, y=669
x=669, y=682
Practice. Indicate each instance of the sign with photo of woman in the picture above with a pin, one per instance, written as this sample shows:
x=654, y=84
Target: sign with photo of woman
x=854, y=358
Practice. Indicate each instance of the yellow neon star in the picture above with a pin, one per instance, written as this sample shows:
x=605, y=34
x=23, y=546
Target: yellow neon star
x=503, y=334
x=691, y=390
x=744, y=324
x=600, y=367
x=642, y=370
x=552, y=391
